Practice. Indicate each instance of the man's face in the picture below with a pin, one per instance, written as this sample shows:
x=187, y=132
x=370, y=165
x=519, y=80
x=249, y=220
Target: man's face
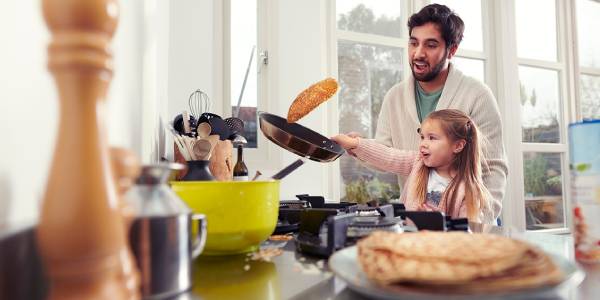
x=427, y=52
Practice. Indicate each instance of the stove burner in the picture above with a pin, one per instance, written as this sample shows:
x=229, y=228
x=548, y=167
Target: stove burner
x=324, y=228
x=293, y=204
x=363, y=226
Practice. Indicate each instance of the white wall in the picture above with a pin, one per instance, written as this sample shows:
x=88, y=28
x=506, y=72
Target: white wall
x=28, y=102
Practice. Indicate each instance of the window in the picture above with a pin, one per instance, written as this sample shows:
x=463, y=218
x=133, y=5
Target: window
x=470, y=58
x=589, y=58
x=471, y=67
x=528, y=72
x=542, y=97
x=470, y=12
x=242, y=66
x=370, y=52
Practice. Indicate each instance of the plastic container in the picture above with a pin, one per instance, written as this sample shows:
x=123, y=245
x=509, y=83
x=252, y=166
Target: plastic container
x=584, y=148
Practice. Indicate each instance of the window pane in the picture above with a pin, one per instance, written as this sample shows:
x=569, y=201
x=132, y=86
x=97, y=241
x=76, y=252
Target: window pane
x=383, y=17
x=544, y=200
x=539, y=105
x=470, y=12
x=366, y=73
x=470, y=67
x=587, y=36
x=243, y=39
x=536, y=29
x=590, y=97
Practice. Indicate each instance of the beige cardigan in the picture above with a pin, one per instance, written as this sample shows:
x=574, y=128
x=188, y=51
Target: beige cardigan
x=407, y=163
x=398, y=122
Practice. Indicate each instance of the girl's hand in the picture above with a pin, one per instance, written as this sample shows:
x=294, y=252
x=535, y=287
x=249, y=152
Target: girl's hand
x=353, y=134
x=426, y=207
x=346, y=141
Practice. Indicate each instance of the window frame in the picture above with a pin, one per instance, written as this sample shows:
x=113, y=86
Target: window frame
x=265, y=154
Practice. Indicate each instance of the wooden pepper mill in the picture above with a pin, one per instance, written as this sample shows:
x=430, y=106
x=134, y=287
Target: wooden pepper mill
x=81, y=233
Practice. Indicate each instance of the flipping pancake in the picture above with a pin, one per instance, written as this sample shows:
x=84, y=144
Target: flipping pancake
x=310, y=98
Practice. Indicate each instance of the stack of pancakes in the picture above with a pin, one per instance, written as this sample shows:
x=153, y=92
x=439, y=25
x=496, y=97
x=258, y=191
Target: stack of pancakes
x=455, y=262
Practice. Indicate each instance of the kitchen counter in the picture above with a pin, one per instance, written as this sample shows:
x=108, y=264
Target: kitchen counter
x=289, y=275
x=292, y=275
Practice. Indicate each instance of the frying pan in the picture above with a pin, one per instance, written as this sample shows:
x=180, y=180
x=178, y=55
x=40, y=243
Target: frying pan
x=299, y=139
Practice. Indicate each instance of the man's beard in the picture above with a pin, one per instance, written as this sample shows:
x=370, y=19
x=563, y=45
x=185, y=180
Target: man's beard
x=435, y=71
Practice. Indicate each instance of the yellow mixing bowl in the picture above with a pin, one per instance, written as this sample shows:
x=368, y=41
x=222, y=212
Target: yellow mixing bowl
x=239, y=214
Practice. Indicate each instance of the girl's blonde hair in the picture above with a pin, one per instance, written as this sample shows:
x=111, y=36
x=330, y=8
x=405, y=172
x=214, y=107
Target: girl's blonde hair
x=467, y=164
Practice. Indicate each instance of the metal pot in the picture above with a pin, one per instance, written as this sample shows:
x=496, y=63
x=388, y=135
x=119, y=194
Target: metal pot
x=165, y=235
x=299, y=139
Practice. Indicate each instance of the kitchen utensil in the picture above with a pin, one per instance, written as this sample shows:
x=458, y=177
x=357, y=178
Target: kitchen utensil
x=186, y=123
x=219, y=127
x=258, y=173
x=289, y=169
x=202, y=149
x=199, y=103
x=221, y=161
x=235, y=125
x=188, y=142
x=203, y=130
x=81, y=237
x=213, y=139
x=198, y=170
x=179, y=142
x=299, y=139
x=178, y=123
x=241, y=214
x=205, y=117
x=161, y=235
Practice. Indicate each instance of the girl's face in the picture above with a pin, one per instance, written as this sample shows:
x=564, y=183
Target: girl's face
x=437, y=150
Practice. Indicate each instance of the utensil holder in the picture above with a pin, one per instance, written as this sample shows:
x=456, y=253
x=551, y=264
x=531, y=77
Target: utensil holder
x=198, y=170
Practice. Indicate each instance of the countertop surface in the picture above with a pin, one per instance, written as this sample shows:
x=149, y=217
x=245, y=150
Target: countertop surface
x=294, y=276
x=289, y=275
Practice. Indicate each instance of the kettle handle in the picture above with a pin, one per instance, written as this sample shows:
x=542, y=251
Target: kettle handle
x=200, y=238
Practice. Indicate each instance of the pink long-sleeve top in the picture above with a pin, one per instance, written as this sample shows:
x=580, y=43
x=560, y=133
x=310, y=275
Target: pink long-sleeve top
x=407, y=163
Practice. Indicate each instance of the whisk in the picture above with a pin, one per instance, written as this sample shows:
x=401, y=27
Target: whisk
x=199, y=103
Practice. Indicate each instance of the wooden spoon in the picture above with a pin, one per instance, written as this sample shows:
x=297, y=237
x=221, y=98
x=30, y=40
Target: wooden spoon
x=203, y=130
x=213, y=139
x=202, y=149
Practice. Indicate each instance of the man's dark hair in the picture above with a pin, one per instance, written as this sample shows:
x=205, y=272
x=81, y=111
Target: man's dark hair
x=449, y=23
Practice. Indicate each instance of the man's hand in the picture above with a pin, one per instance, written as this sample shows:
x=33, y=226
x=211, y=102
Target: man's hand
x=347, y=141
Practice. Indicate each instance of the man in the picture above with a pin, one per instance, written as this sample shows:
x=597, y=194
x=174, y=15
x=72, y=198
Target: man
x=435, y=33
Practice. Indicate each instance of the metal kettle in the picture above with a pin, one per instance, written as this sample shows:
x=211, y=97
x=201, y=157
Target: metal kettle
x=162, y=236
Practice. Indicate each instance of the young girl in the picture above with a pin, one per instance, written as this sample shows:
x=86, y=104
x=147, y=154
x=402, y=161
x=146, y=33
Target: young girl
x=444, y=175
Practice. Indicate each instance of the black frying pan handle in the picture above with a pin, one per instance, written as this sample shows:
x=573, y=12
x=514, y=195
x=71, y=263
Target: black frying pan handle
x=289, y=169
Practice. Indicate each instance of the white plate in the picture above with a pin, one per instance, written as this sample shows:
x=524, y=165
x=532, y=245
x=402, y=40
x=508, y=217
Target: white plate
x=344, y=264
